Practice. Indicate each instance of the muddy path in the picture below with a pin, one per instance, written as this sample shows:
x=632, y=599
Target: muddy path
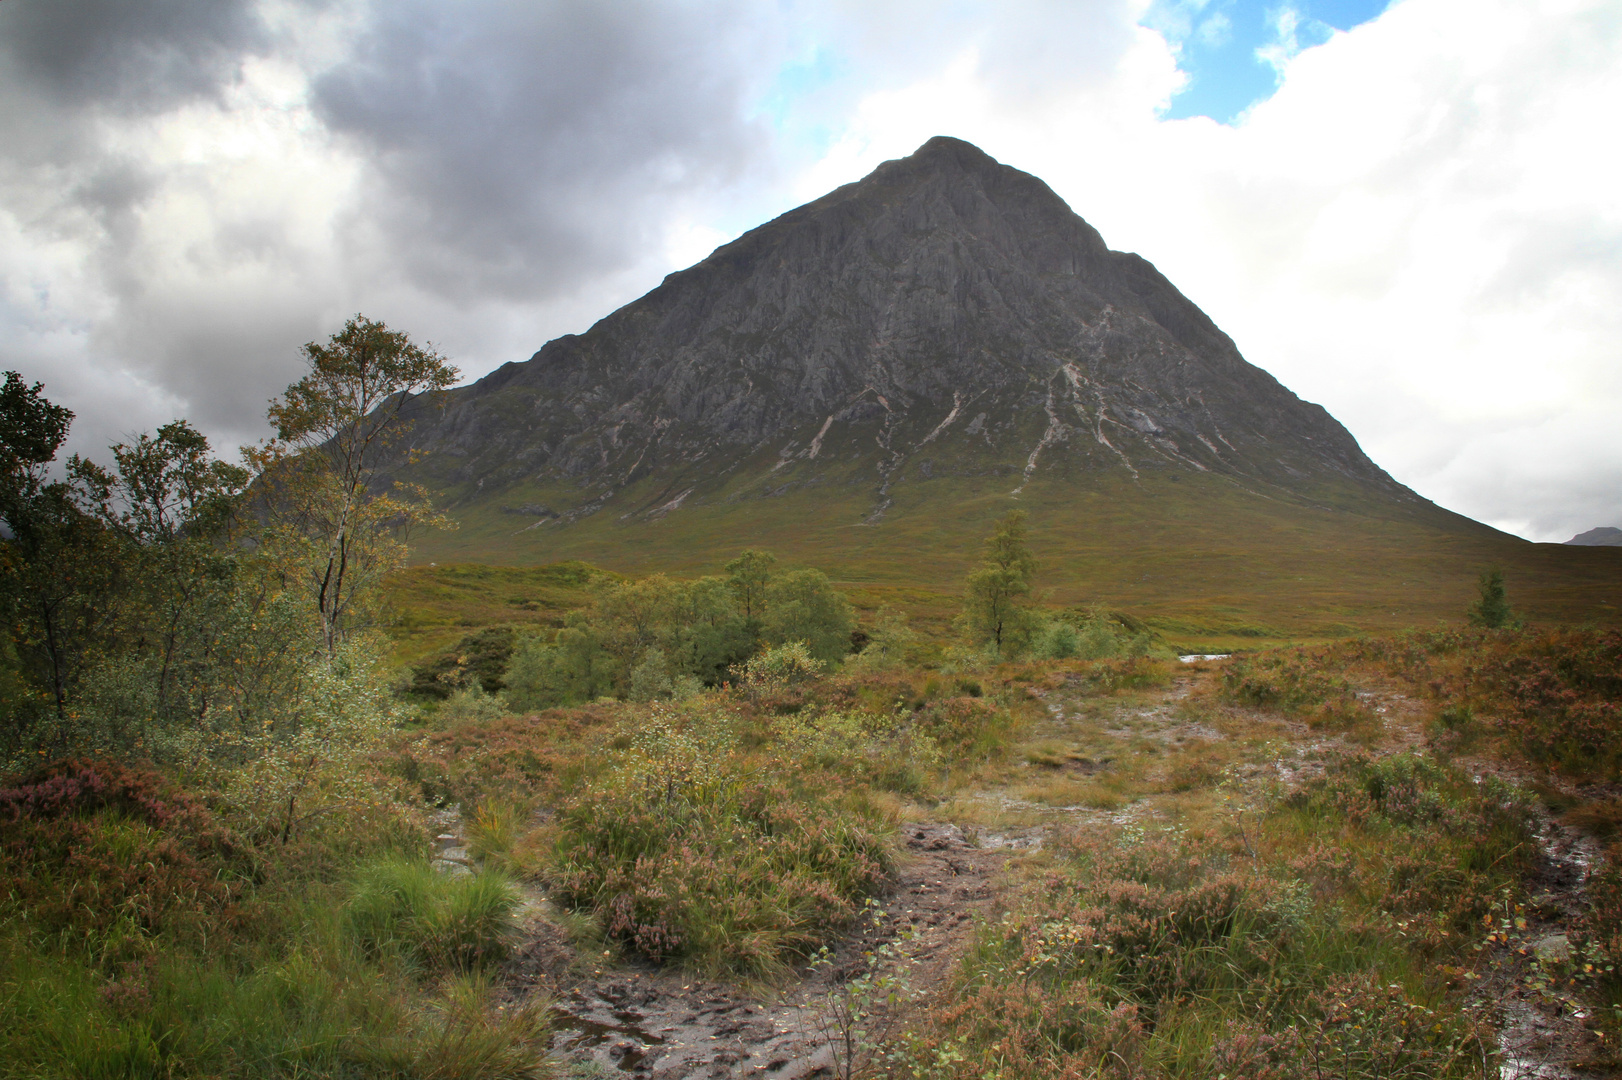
x=642, y=1021
x=617, y=1018
x=1543, y=1022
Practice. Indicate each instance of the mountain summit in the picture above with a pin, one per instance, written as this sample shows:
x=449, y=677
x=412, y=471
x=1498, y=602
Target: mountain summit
x=946, y=315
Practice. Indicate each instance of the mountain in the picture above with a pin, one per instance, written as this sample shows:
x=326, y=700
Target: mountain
x=870, y=379
x=946, y=308
x=1604, y=536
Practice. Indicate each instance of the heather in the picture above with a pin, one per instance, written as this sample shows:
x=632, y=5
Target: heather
x=1320, y=942
x=143, y=936
x=1548, y=694
x=734, y=832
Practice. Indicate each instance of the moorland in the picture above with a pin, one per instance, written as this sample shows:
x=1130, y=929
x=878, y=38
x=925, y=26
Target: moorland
x=277, y=804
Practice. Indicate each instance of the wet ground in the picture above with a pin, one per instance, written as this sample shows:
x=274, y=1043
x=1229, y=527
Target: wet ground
x=663, y=1025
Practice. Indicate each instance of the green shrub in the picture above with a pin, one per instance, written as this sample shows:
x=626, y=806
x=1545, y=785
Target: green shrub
x=772, y=671
x=477, y=660
x=571, y=667
x=642, y=639
x=968, y=728
x=888, y=751
x=1491, y=608
x=400, y=905
x=1093, y=634
x=688, y=851
x=803, y=606
x=890, y=645
x=1057, y=641
x=650, y=679
x=471, y=705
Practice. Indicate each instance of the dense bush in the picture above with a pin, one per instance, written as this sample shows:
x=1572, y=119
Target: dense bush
x=1551, y=693
x=101, y=859
x=1294, y=681
x=655, y=636
x=1093, y=634
x=1165, y=954
x=1558, y=695
x=1445, y=844
x=479, y=659
x=1115, y=676
x=537, y=756
x=967, y=728
x=688, y=851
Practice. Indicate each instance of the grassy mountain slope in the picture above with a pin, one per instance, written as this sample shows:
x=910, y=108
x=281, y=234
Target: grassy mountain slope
x=1196, y=552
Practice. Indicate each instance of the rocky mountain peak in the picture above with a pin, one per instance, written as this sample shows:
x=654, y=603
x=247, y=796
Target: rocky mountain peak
x=945, y=316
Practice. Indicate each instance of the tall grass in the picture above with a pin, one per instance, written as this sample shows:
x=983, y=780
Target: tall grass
x=318, y=1007
x=403, y=907
x=141, y=938
x=495, y=827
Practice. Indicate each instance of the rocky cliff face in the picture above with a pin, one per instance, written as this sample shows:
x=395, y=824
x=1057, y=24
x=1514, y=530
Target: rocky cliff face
x=946, y=315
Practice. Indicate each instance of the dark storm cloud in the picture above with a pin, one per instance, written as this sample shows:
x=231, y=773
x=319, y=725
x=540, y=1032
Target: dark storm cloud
x=517, y=147
x=81, y=83
x=65, y=65
x=124, y=56
x=486, y=159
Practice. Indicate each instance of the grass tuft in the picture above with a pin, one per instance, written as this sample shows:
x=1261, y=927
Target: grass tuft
x=441, y=923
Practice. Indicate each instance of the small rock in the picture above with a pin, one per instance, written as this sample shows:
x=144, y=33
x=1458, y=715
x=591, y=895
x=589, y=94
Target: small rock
x=454, y=869
x=1553, y=947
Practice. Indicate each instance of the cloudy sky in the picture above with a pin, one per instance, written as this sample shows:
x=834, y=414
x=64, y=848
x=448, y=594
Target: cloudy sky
x=1410, y=213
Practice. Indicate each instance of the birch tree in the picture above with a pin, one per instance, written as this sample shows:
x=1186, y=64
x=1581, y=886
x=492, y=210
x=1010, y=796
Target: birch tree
x=996, y=602
x=336, y=428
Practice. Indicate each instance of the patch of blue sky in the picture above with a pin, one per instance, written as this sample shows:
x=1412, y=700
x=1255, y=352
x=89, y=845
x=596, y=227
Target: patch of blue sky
x=783, y=103
x=1232, y=51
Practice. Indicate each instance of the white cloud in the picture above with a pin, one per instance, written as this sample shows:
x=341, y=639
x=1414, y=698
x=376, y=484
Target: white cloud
x=1215, y=31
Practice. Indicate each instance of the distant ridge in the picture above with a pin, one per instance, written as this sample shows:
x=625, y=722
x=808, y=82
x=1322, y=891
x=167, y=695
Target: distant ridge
x=1604, y=536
